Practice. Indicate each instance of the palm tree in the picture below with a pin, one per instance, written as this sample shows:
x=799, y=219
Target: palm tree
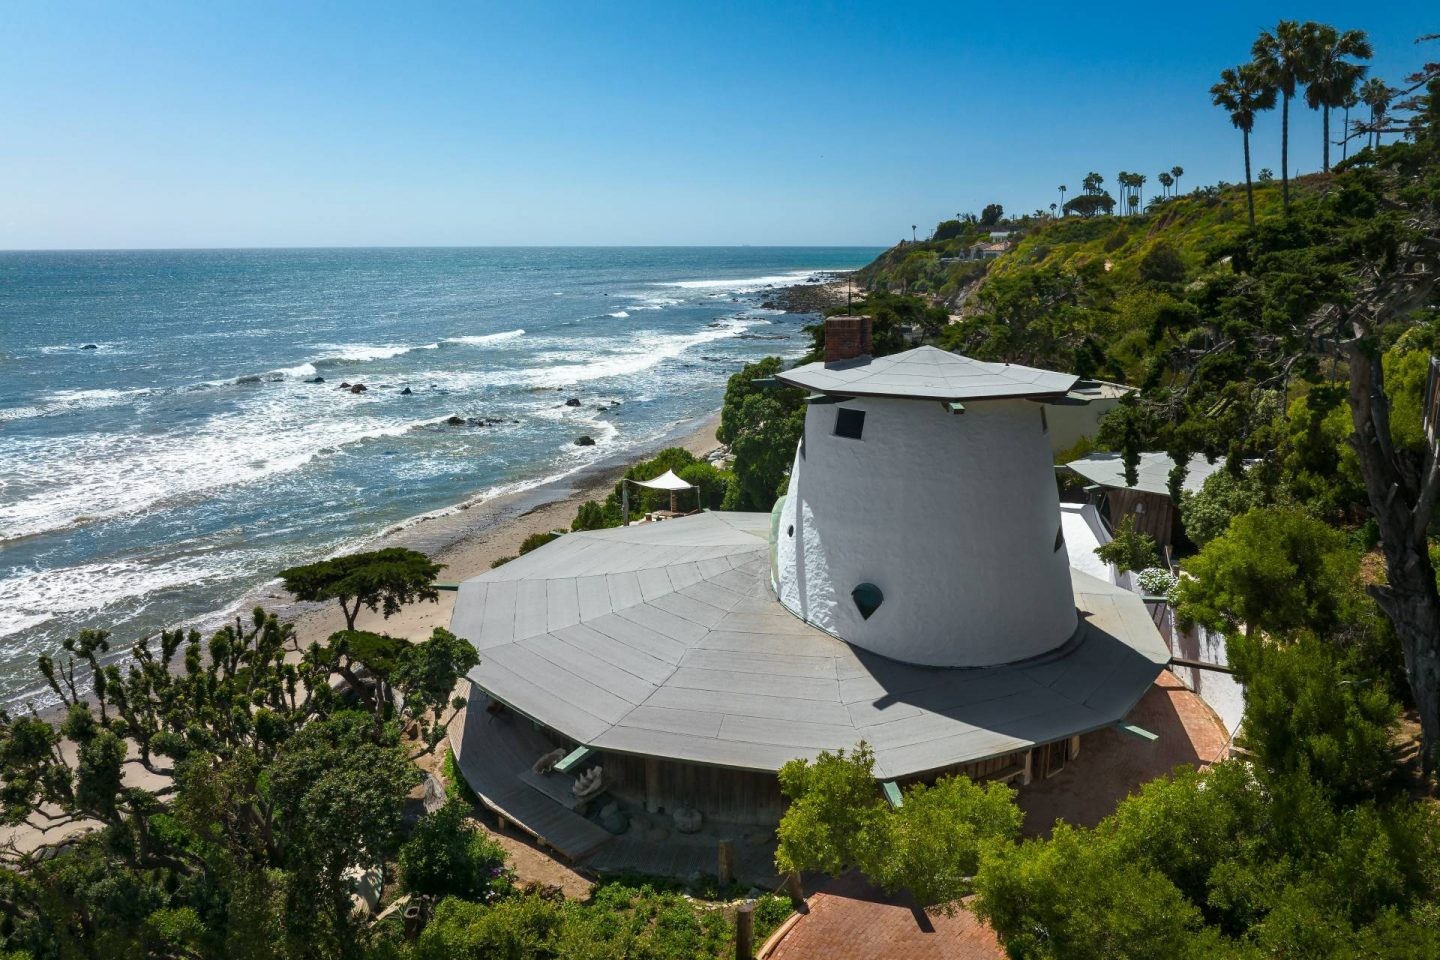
x=1140, y=179
x=1062, y=197
x=1351, y=99
x=1332, y=77
x=912, y=233
x=1283, y=57
x=1165, y=181
x=1177, y=173
x=1052, y=211
x=1376, y=95
x=1243, y=92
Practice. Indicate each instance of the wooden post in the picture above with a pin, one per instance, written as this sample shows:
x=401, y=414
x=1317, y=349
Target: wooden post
x=1075, y=746
x=652, y=785
x=745, y=931
x=1029, y=774
x=500, y=823
x=725, y=869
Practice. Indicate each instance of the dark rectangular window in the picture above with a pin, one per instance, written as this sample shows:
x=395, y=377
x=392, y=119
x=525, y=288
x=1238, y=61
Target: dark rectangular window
x=849, y=423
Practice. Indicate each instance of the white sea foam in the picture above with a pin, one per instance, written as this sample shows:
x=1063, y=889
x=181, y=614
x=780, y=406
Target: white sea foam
x=618, y=314
x=30, y=597
x=484, y=338
x=746, y=284
x=68, y=401
x=51, y=483
x=365, y=352
x=650, y=350
x=645, y=301
x=297, y=371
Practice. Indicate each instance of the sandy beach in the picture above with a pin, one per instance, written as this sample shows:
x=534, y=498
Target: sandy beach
x=472, y=537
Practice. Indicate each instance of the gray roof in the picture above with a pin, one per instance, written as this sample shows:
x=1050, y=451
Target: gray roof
x=928, y=374
x=666, y=640
x=1152, y=474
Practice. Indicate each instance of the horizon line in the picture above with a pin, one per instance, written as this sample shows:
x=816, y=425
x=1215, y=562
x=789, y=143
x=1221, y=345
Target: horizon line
x=458, y=246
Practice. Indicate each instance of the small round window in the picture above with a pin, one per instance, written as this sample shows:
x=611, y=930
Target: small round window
x=790, y=530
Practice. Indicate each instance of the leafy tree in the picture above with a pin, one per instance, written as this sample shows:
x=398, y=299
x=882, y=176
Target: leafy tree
x=834, y=808
x=762, y=427
x=1206, y=513
x=380, y=580
x=991, y=215
x=425, y=676
x=1274, y=570
x=1074, y=897
x=1089, y=204
x=1162, y=264
x=448, y=856
x=340, y=796
x=1306, y=717
x=1129, y=550
x=948, y=230
x=931, y=845
x=1243, y=92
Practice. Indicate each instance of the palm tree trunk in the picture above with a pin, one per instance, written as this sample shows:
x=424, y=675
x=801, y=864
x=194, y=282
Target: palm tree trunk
x=1284, y=153
x=1345, y=141
x=1249, y=187
x=1326, y=111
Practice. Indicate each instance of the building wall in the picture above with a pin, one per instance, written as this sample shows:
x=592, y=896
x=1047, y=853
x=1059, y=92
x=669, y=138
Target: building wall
x=1068, y=424
x=953, y=517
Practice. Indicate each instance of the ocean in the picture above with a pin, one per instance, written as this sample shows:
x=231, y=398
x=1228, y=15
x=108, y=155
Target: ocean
x=164, y=449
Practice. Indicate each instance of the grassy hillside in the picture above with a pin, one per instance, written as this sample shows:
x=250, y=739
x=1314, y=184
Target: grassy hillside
x=1196, y=226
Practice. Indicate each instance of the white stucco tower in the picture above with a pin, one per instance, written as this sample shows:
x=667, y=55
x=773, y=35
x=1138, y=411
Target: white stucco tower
x=922, y=520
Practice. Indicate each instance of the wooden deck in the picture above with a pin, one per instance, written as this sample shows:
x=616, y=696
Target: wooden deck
x=492, y=753
x=495, y=754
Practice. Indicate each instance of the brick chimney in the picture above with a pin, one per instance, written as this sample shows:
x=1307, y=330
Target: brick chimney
x=846, y=338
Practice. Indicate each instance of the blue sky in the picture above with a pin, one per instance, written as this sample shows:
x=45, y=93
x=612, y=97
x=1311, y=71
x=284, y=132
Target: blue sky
x=304, y=124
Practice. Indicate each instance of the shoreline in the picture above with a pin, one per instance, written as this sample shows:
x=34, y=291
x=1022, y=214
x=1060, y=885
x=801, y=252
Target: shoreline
x=470, y=536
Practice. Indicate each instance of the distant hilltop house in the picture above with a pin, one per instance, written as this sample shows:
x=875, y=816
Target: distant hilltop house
x=639, y=687
x=987, y=251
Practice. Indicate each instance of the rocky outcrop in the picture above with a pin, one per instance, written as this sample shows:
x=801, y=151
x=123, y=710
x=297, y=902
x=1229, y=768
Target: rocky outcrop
x=585, y=441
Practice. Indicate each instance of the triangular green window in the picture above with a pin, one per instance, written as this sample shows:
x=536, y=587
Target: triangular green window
x=867, y=599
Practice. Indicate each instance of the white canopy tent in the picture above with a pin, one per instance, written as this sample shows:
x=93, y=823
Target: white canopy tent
x=666, y=481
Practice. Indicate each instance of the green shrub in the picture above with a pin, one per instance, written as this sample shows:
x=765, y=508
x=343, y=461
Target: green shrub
x=1129, y=550
x=447, y=855
x=537, y=540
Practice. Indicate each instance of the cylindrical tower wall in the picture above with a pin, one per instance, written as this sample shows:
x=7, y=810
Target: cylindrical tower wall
x=954, y=517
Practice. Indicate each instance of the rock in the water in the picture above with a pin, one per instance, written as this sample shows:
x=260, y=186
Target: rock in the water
x=316, y=380
x=573, y=402
x=456, y=421
x=585, y=441
x=253, y=378
x=358, y=388
x=406, y=392
x=344, y=385
x=90, y=346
